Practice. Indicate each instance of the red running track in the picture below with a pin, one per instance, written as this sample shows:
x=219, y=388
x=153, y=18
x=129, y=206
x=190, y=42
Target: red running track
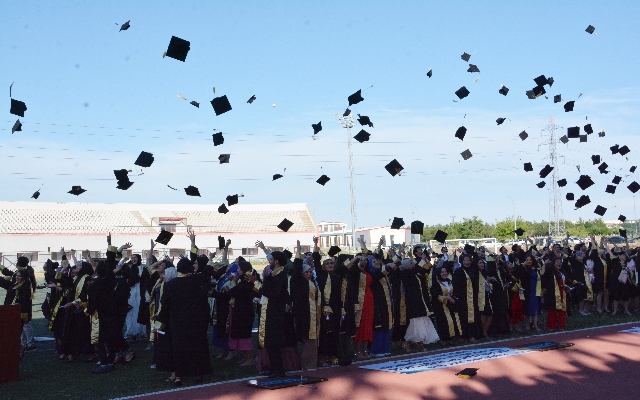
x=603, y=364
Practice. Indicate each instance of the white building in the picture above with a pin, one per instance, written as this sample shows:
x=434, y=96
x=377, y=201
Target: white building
x=38, y=230
x=336, y=234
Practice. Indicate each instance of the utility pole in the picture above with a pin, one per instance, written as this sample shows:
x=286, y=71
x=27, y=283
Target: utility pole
x=348, y=122
x=556, y=217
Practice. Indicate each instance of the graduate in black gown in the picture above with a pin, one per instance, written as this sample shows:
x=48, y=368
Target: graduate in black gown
x=18, y=292
x=77, y=326
x=330, y=284
x=465, y=290
x=242, y=313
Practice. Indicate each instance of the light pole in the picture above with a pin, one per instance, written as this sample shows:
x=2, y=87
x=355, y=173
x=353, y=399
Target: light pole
x=515, y=235
x=348, y=122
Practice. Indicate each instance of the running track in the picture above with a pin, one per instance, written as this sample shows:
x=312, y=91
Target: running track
x=603, y=364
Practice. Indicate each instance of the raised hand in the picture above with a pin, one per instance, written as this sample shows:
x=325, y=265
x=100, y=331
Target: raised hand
x=228, y=243
x=72, y=252
x=315, y=241
x=259, y=244
x=192, y=236
x=109, y=239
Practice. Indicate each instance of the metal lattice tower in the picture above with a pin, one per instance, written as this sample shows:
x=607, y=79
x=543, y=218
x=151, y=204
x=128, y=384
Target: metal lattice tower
x=347, y=122
x=556, y=217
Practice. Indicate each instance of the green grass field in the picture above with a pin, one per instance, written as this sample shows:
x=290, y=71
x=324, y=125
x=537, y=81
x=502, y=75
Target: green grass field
x=43, y=376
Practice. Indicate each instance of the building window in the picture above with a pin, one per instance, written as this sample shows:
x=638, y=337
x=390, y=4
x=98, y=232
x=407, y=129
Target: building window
x=305, y=249
x=391, y=239
x=249, y=251
x=176, y=252
x=31, y=255
x=145, y=253
x=168, y=227
x=274, y=248
x=230, y=251
x=203, y=252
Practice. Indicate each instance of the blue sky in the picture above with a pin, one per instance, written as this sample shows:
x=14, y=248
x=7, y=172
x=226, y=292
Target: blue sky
x=96, y=97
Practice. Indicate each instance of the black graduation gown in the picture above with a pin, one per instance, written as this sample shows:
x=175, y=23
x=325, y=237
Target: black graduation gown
x=381, y=289
x=18, y=295
x=416, y=293
x=100, y=299
x=221, y=305
x=600, y=273
x=579, y=280
x=146, y=286
x=352, y=280
x=617, y=290
x=466, y=293
x=330, y=285
x=399, y=306
x=303, y=293
x=242, y=310
x=272, y=326
x=77, y=326
x=447, y=320
x=554, y=293
x=184, y=306
x=499, y=297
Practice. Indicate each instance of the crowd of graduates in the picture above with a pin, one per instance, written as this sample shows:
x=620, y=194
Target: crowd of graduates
x=314, y=310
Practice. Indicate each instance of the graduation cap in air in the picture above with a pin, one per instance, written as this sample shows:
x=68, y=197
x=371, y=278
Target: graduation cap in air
x=530, y=95
x=541, y=184
x=603, y=168
x=519, y=231
x=634, y=187
x=573, y=132
x=285, y=225
x=17, y=127
x=17, y=108
x=276, y=176
x=218, y=139
x=355, y=98
x=224, y=158
x=192, y=191
x=545, y=171
x=601, y=134
x=632, y=169
x=122, y=175
x=36, y=194
x=614, y=149
x=164, y=237
x=528, y=167
x=600, y=210
x=562, y=182
x=317, y=127
x=323, y=180
x=462, y=92
x=232, y=200
x=538, y=91
x=569, y=196
x=251, y=99
x=622, y=218
x=467, y=373
x=125, y=26
x=499, y=121
x=397, y=223
x=595, y=159
x=430, y=73
x=623, y=232
x=473, y=68
x=440, y=236
x=557, y=98
x=550, y=81
x=588, y=129
x=362, y=136
x=394, y=167
x=78, y=190
x=541, y=80
x=195, y=103
x=523, y=135
x=584, y=182
x=590, y=29
x=466, y=57
x=223, y=209
x=583, y=138
x=346, y=113
x=417, y=227
x=466, y=154
x=364, y=120
x=624, y=150
x=144, y=159
x=503, y=90
x=333, y=250
x=469, y=248
x=178, y=48
x=461, y=132
x=610, y=189
x=221, y=242
x=616, y=180
x=568, y=106
x=582, y=201
x=221, y=105
x=564, y=139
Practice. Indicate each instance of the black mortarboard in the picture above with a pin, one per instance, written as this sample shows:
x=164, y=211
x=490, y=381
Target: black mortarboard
x=466, y=154
x=221, y=242
x=550, y=81
x=557, y=98
x=562, y=182
x=466, y=57
x=590, y=29
x=528, y=167
x=573, y=132
x=584, y=182
x=232, y=200
x=164, y=237
x=221, y=105
x=346, y=113
x=36, y=194
x=623, y=150
x=430, y=73
x=178, y=48
x=467, y=373
x=583, y=138
x=600, y=210
x=499, y=121
x=124, y=185
x=503, y=90
x=195, y=103
x=530, y=95
x=78, y=190
x=616, y=180
x=539, y=91
x=462, y=93
x=541, y=80
x=192, y=191
x=441, y=236
x=218, y=139
x=523, y=135
x=144, y=159
x=317, y=127
x=582, y=201
x=603, y=168
x=224, y=158
x=569, y=196
x=17, y=127
x=519, y=231
x=355, y=98
x=546, y=171
x=614, y=149
x=417, y=227
x=568, y=106
x=223, y=209
x=125, y=26
x=333, y=250
x=622, y=218
x=323, y=179
x=632, y=169
x=364, y=120
x=623, y=232
x=461, y=132
x=362, y=136
x=634, y=187
x=611, y=189
x=469, y=248
x=251, y=99
x=473, y=68
x=276, y=176
x=601, y=134
x=397, y=223
x=287, y=253
x=285, y=225
x=595, y=159
x=393, y=167
x=564, y=139
x=122, y=175
x=18, y=108
x=541, y=184
x=588, y=129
